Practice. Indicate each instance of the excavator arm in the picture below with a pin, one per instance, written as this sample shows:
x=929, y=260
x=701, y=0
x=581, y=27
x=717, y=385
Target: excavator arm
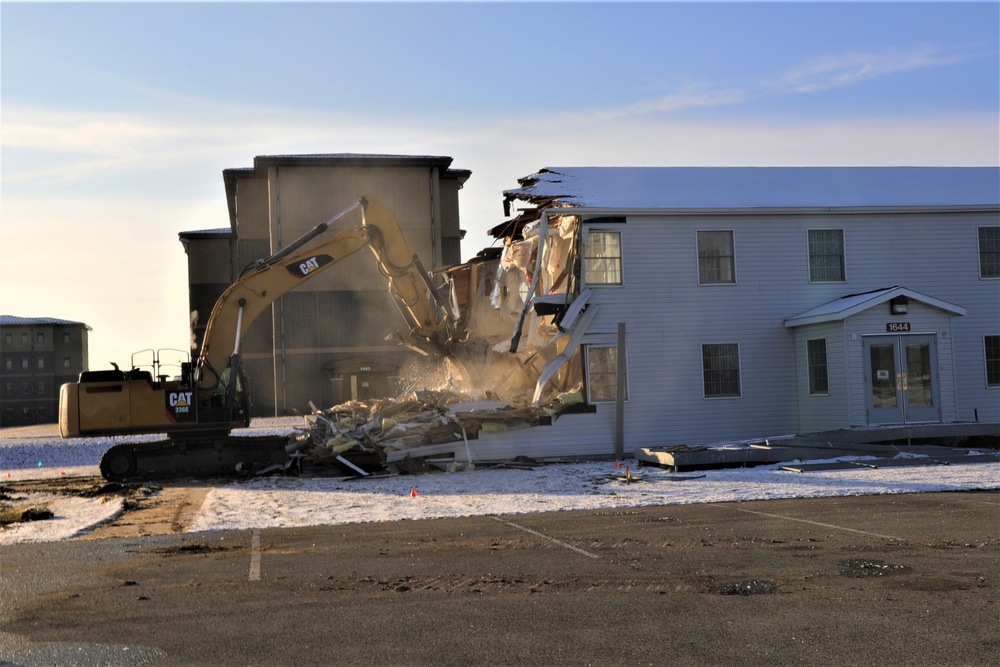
x=267, y=280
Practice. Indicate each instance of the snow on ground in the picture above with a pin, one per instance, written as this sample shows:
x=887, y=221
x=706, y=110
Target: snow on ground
x=289, y=501
x=72, y=517
x=285, y=502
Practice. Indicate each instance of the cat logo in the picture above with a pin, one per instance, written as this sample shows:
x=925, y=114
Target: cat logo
x=308, y=266
x=180, y=405
x=180, y=401
x=304, y=268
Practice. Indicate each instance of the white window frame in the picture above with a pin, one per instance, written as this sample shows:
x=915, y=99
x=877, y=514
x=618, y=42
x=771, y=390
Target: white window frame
x=826, y=367
x=620, y=258
x=732, y=242
x=739, y=372
x=979, y=248
x=986, y=361
x=590, y=393
x=843, y=255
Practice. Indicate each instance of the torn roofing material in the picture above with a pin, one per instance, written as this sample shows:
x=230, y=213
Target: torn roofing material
x=759, y=187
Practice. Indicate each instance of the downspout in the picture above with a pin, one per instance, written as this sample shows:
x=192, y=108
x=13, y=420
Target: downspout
x=433, y=211
x=278, y=315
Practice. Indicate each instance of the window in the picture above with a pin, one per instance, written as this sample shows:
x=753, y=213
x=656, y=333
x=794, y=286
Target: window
x=9, y=363
x=602, y=373
x=41, y=362
x=26, y=388
x=602, y=258
x=992, y=361
x=66, y=337
x=819, y=382
x=989, y=252
x=826, y=255
x=24, y=363
x=8, y=339
x=716, y=261
x=40, y=389
x=721, y=368
x=40, y=337
x=67, y=362
x=10, y=388
x=24, y=339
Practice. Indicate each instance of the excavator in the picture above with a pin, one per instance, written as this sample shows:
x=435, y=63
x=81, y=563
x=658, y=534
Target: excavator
x=199, y=408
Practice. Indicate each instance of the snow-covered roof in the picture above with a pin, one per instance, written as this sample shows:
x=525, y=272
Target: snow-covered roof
x=844, y=307
x=15, y=321
x=760, y=187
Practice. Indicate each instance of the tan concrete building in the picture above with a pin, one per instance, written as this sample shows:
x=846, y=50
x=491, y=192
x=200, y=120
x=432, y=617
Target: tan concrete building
x=324, y=342
x=37, y=356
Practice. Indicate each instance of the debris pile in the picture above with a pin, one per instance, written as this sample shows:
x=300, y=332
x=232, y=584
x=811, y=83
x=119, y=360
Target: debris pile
x=417, y=432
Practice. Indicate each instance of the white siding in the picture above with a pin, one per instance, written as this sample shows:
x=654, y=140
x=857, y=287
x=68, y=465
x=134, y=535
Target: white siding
x=822, y=412
x=669, y=316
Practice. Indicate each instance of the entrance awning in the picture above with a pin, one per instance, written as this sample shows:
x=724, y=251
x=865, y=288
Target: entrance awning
x=852, y=304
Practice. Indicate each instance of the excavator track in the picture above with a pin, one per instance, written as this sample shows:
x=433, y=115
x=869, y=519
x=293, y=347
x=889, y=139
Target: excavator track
x=204, y=456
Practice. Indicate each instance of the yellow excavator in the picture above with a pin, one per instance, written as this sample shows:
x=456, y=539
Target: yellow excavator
x=198, y=408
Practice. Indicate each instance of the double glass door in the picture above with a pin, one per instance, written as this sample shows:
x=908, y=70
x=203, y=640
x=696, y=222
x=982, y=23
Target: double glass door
x=902, y=379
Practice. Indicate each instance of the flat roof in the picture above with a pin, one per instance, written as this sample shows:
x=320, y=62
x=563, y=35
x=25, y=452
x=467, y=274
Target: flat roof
x=15, y=321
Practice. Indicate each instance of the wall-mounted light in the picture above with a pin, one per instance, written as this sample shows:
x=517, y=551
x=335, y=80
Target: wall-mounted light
x=898, y=305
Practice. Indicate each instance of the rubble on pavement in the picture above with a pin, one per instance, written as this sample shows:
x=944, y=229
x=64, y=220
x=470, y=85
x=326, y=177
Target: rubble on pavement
x=415, y=432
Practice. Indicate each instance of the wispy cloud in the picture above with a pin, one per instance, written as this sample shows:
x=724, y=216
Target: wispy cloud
x=837, y=70
x=689, y=97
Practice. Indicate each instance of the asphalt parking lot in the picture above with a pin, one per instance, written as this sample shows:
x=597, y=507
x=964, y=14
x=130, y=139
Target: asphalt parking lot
x=903, y=579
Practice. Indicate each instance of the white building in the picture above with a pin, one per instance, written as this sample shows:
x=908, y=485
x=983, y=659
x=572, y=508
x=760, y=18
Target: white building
x=762, y=301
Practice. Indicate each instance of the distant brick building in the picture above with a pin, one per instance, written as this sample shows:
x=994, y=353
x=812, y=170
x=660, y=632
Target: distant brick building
x=37, y=356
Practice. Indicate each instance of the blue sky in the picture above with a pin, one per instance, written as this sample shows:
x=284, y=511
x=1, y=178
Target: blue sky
x=117, y=119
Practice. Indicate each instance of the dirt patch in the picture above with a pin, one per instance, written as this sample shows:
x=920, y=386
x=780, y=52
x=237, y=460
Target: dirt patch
x=169, y=512
x=192, y=548
x=746, y=587
x=148, y=509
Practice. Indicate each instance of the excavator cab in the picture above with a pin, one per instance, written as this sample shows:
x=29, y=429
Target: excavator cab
x=150, y=398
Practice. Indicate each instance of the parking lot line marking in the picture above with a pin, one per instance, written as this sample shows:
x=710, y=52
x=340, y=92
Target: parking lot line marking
x=814, y=523
x=255, y=555
x=545, y=537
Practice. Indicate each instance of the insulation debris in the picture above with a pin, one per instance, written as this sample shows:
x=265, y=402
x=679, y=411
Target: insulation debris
x=421, y=431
